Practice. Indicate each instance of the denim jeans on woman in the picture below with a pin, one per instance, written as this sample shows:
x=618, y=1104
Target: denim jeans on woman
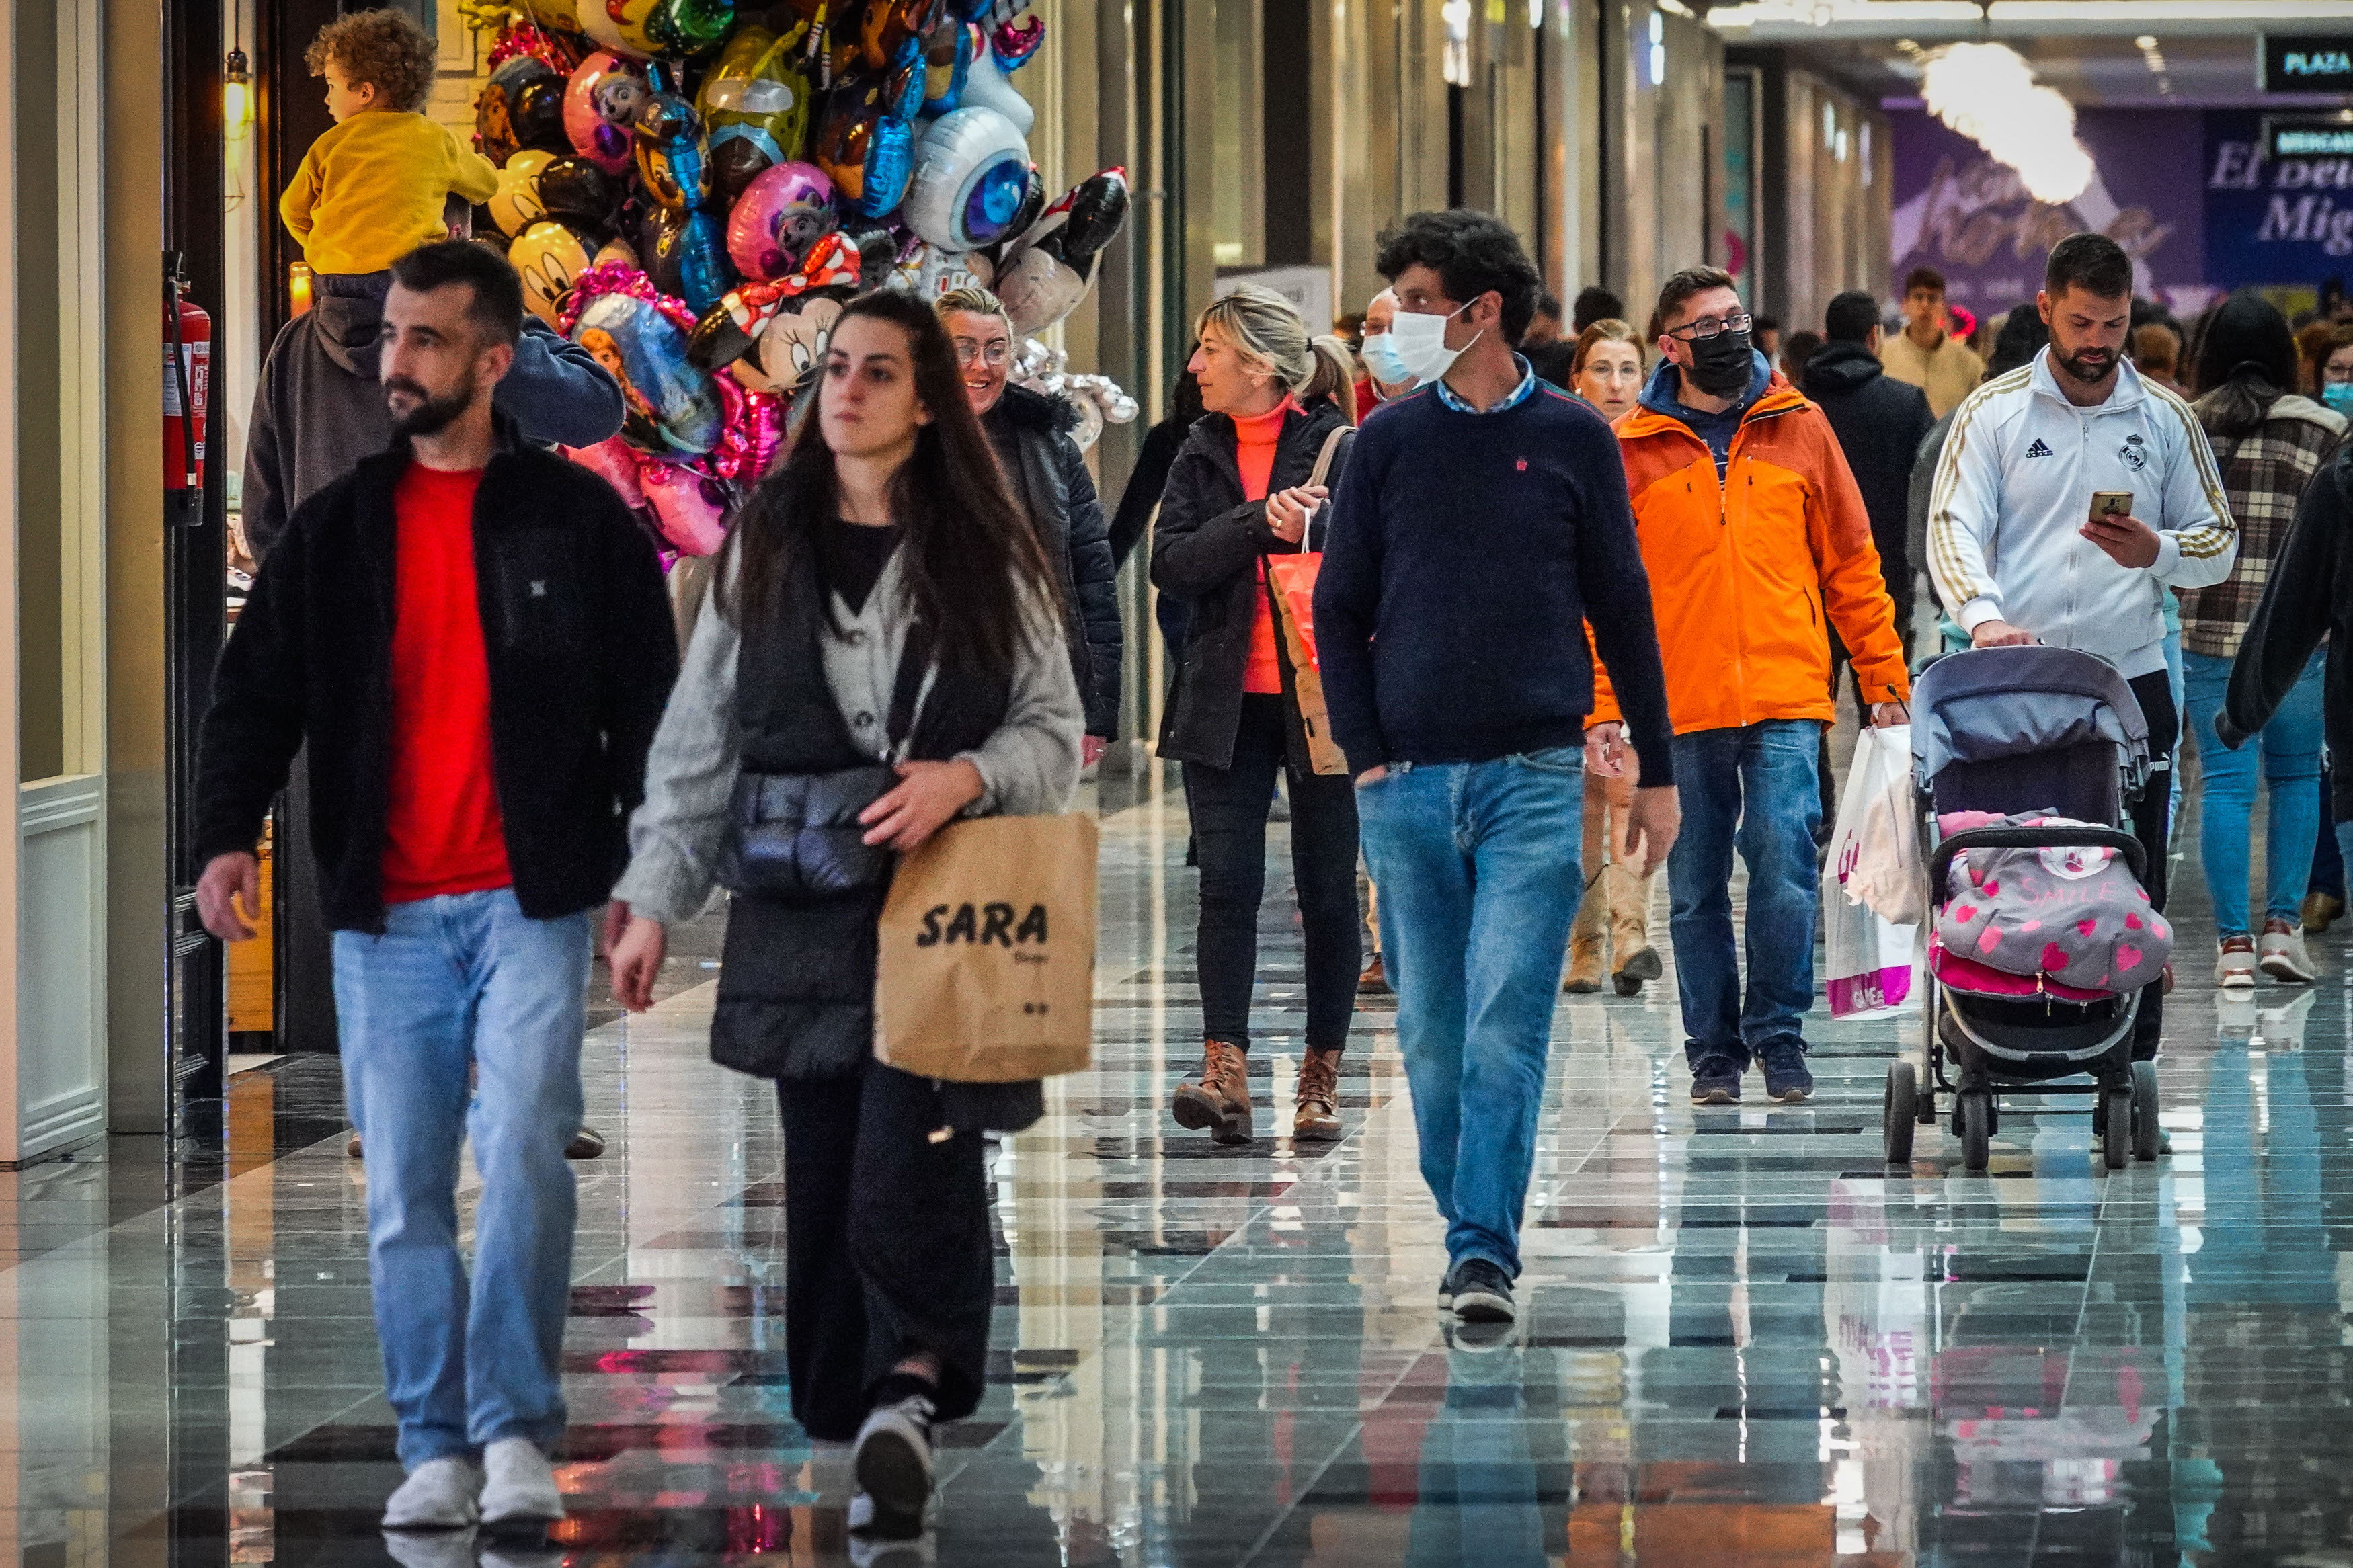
x=2290, y=747
x=1755, y=790
x=1477, y=867
x=458, y=982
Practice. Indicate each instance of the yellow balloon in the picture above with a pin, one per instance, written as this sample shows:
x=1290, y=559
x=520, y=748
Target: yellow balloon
x=515, y=206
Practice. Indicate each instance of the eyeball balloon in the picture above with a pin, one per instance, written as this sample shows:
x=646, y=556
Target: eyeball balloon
x=671, y=155
x=521, y=106
x=972, y=169
x=575, y=188
x=646, y=353
x=550, y=255
x=515, y=204
x=600, y=104
x=784, y=212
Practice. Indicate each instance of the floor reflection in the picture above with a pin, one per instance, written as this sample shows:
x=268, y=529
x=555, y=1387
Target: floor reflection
x=1746, y=1342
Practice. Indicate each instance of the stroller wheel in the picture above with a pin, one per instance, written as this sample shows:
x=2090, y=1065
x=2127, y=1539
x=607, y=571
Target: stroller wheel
x=1899, y=1112
x=2116, y=1136
x=2143, y=1110
x=1975, y=1113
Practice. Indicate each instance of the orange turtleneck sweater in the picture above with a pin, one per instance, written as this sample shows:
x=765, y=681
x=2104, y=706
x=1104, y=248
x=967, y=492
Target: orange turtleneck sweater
x=1255, y=441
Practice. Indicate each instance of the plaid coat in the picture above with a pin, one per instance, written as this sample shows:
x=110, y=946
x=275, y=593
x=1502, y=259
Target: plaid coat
x=2264, y=474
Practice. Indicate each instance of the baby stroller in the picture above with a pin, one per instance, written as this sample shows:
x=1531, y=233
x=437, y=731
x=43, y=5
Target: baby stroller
x=2003, y=731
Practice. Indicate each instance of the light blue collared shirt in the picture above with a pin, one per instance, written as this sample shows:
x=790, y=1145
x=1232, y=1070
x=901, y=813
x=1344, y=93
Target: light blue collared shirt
x=1512, y=399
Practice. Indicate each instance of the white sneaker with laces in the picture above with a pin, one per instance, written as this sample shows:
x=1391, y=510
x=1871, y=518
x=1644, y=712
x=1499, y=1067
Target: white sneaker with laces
x=519, y=1488
x=2284, y=958
x=438, y=1495
x=2234, y=964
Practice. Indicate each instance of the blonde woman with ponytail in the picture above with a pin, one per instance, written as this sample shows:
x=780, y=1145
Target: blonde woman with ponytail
x=1237, y=493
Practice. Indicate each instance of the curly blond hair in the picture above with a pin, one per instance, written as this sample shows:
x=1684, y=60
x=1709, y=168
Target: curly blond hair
x=384, y=48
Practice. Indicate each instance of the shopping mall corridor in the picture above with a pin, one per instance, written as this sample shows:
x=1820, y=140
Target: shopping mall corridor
x=1746, y=1342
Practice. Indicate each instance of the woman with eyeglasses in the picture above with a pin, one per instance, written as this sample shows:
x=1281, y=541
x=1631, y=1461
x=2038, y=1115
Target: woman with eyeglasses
x=1047, y=474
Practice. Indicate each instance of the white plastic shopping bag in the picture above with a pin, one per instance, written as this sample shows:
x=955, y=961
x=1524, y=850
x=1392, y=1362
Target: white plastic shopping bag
x=1869, y=973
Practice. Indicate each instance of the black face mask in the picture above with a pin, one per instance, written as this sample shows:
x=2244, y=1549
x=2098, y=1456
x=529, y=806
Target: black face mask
x=1721, y=365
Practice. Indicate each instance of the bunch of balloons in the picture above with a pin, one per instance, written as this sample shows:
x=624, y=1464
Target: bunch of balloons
x=691, y=194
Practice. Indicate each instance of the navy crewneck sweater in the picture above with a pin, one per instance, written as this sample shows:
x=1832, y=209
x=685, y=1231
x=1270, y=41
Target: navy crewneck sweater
x=1466, y=553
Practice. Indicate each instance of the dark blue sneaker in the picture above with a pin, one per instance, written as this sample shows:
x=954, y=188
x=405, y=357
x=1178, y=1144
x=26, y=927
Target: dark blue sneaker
x=1479, y=1292
x=1786, y=1078
x=1715, y=1081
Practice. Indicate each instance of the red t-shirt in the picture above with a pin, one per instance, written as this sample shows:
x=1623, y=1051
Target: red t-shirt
x=442, y=833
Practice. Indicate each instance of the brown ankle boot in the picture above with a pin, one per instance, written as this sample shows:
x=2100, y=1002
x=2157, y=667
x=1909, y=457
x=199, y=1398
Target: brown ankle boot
x=1584, y=976
x=1316, y=1116
x=1221, y=1101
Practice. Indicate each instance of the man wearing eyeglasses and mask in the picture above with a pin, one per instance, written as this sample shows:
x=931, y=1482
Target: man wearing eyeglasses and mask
x=1031, y=433
x=1752, y=532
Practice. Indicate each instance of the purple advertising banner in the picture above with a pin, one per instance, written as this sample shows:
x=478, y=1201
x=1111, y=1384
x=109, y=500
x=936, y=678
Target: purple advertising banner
x=1958, y=211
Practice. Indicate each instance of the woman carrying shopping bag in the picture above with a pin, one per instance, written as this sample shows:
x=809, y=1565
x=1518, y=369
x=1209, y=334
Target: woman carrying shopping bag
x=883, y=653
x=1238, y=495
x=1615, y=910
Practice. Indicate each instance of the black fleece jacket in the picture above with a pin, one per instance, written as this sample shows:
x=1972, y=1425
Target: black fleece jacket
x=1031, y=433
x=2308, y=596
x=1880, y=423
x=577, y=630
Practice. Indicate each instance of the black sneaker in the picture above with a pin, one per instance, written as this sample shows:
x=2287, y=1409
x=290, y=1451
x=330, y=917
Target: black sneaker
x=1715, y=1081
x=1479, y=1292
x=894, y=1468
x=1786, y=1076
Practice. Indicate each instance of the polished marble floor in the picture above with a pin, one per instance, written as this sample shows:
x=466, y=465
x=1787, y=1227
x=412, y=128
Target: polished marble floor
x=1746, y=1340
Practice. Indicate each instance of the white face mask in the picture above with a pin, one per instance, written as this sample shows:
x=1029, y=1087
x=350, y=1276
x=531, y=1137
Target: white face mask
x=1419, y=339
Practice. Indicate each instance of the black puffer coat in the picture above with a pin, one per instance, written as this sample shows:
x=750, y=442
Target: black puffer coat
x=1031, y=433
x=1204, y=552
x=1880, y=422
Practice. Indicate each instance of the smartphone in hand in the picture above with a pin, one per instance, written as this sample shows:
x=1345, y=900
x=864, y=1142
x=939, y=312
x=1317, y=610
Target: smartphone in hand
x=2111, y=503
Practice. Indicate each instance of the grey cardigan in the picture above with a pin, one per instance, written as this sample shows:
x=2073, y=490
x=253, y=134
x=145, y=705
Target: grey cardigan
x=1030, y=767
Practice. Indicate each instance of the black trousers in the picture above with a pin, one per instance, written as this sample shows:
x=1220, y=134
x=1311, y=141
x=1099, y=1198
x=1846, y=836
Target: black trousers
x=887, y=1247
x=1229, y=807
x=2152, y=825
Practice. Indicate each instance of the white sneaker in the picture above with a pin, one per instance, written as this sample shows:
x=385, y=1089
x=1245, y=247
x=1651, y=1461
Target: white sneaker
x=2284, y=957
x=438, y=1495
x=518, y=1490
x=2234, y=964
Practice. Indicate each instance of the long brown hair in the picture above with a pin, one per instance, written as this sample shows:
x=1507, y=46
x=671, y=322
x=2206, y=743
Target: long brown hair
x=974, y=572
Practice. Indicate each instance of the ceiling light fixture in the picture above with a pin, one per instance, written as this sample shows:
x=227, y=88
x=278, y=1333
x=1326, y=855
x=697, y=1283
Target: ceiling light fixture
x=1988, y=94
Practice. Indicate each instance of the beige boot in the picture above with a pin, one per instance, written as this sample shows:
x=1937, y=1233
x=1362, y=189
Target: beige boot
x=1221, y=1101
x=1584, y=976
x=1315, y=1116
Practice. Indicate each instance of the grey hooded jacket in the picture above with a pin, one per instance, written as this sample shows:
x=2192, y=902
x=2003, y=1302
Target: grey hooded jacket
x=319, y=410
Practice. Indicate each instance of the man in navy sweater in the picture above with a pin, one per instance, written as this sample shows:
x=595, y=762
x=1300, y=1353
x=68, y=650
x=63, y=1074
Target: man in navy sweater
x=1481, y=524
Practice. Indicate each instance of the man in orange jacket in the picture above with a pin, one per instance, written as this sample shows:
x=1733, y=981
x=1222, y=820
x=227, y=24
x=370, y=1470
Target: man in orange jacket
x=1754, y=535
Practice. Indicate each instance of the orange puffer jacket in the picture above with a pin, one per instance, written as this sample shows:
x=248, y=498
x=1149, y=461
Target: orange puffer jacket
x=1742, y=572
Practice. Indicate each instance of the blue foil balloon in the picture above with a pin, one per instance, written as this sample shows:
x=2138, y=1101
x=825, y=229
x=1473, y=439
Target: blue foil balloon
x=889, y=163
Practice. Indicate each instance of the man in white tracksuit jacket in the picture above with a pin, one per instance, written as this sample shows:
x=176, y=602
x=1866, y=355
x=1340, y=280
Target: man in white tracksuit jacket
x=2013, y=546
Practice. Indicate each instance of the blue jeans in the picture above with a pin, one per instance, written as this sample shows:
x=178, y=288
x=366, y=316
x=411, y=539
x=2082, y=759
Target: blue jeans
x=458, y=982
x=1477, y=864
x=2290, y=745
x=1755, y=789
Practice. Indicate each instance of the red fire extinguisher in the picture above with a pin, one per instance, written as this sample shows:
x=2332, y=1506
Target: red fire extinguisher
x=187, y=399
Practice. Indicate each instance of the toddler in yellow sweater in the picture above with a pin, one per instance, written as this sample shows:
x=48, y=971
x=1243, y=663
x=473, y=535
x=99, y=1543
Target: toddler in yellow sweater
x=371, y=189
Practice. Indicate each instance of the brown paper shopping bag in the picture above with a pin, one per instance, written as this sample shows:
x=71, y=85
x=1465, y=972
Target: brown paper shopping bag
x=986, y=972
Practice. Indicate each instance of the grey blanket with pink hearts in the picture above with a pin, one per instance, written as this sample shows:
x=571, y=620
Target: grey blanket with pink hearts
x=2072, y=913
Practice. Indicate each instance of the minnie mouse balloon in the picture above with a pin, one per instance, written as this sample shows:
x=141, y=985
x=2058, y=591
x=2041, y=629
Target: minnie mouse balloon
x=971, y=172
x=600, y=104
x=515, y=204
x=521, y=106
x=779, y=216
x=646, y=353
